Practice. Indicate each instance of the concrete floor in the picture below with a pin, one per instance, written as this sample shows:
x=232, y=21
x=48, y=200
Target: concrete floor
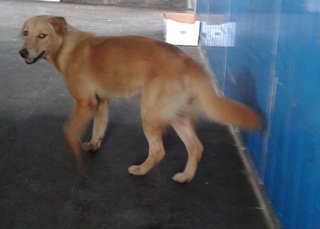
x=39, y=186
x=159, y=4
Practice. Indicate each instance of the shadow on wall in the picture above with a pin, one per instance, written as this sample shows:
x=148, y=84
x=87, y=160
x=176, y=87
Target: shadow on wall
x=242, y=88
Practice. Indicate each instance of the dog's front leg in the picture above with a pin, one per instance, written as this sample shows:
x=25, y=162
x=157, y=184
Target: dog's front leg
x=75, y=125
x=100, y=122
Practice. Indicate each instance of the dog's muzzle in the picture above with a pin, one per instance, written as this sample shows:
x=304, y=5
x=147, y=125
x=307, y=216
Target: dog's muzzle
x=24, y=53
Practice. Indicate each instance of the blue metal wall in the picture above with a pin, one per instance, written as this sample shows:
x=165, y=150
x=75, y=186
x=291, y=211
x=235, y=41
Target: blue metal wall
x=274, y=66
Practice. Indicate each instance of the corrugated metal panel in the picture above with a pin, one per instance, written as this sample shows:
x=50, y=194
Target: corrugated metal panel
x=274, y=66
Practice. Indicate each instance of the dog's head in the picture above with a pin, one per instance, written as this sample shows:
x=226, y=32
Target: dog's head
x=42, y=35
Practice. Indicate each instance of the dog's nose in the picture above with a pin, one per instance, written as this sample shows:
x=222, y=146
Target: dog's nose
x=24, y=53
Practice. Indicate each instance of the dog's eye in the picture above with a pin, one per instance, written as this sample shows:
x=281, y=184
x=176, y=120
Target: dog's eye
x=25, y=33
x=42, y=35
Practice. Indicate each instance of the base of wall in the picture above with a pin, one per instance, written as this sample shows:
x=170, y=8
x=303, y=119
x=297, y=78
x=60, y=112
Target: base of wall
x=252, y=174
x=255, y=182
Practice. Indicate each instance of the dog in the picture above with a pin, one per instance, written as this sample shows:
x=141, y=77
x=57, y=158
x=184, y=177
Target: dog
x=170, y=84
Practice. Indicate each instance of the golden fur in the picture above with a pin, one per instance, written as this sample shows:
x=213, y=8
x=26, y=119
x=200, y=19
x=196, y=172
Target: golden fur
x=98, y=69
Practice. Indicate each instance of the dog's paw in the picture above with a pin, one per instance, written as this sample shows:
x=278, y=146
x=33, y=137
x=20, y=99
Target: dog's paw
x=88, y=146
x=181, y=178
x=136, y=170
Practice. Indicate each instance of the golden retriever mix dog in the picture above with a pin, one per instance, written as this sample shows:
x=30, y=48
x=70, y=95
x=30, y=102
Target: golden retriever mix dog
x=168, y=82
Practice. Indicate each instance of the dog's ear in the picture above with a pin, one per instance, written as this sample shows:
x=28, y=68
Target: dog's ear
x=59, y=24
x=22, y=30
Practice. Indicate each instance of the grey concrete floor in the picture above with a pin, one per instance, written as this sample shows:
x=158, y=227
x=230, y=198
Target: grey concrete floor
x=39, y=186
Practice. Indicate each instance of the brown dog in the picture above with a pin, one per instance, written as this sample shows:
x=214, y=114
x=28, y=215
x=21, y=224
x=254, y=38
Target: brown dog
x=98, y=69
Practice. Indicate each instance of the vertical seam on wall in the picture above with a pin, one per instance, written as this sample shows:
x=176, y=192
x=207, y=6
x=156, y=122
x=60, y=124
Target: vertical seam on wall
x=272, y=96
x=210, y=73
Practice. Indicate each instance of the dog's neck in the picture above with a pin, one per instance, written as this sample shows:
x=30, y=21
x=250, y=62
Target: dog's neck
x=69, y=42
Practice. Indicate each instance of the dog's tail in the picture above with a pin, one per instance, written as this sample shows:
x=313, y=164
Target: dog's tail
x=223, y=110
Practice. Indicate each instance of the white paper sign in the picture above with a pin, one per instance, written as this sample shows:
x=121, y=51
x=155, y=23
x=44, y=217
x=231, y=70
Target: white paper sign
x=222, y=35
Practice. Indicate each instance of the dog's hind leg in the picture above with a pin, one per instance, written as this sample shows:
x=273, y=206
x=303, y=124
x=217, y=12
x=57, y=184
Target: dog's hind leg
x=153, y=130
x=76, y=124
x=183, y=124
x=100, y=121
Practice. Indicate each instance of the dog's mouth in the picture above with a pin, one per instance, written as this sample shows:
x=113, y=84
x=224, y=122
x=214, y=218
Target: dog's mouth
x=29, y=60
